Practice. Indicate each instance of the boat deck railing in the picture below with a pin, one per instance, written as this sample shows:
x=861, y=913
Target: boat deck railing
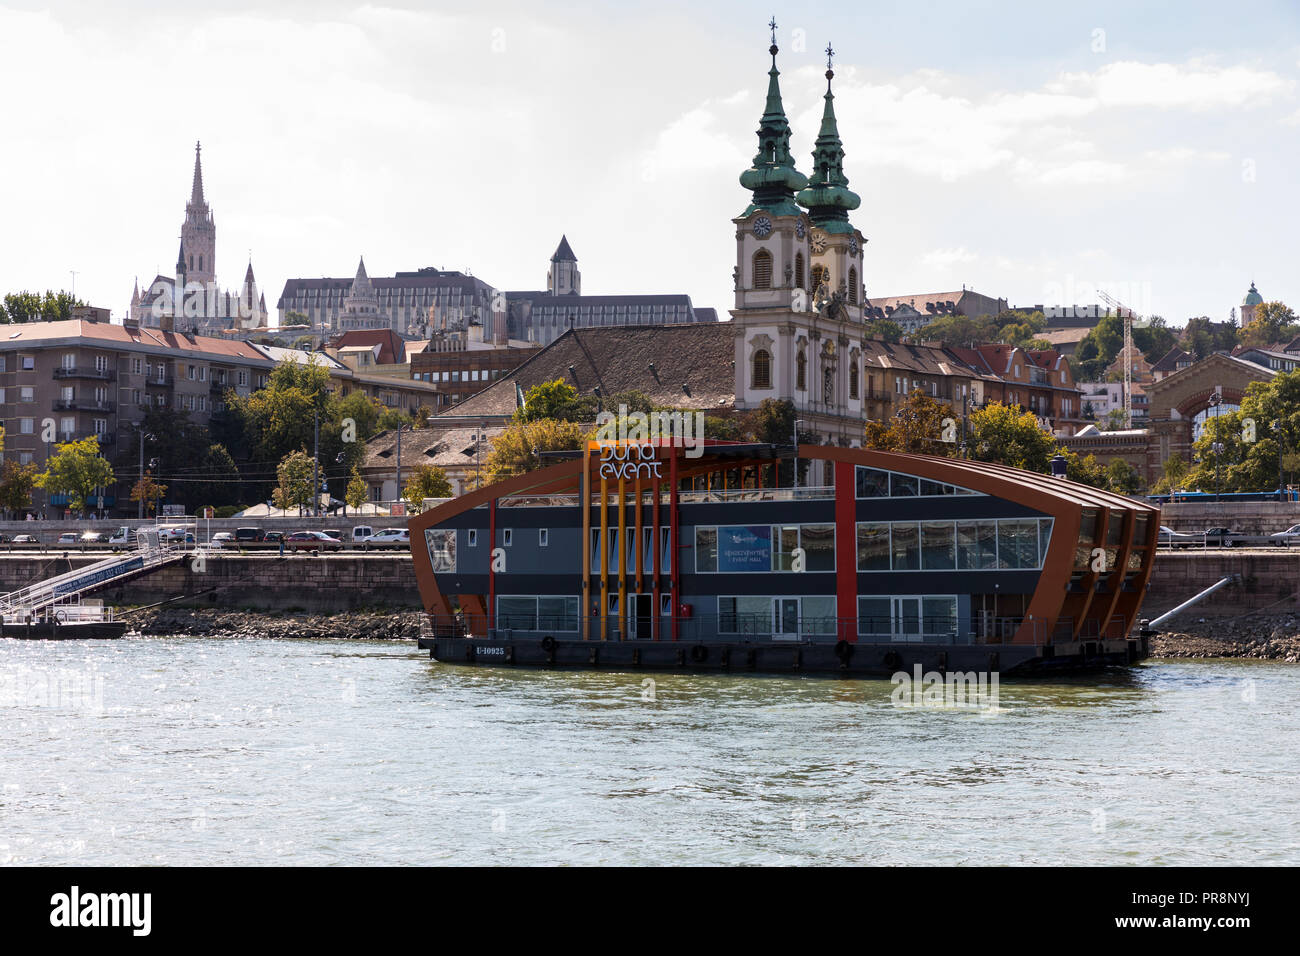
x=685, y=497
x=809, y=630
x=64, y=588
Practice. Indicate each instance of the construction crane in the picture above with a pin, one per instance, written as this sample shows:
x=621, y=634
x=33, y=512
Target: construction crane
x=1126, y=314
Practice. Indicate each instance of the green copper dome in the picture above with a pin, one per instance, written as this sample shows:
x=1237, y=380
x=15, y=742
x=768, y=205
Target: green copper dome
x=828, y=198
x=773, y=178
x=1253, y=297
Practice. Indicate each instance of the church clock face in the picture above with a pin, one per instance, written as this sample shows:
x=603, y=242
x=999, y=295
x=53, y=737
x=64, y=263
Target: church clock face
x=818, y=241
x=762, y=227
x=853, y=246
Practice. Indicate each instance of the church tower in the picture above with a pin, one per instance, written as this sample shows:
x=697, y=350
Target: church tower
x=836, y=245
x=792, y=342
x=1249, y=304
x=199, y=232
x=563, y=277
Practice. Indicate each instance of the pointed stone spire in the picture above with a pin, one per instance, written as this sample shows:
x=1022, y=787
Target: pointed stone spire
x=773, y=178
x=828, y=198
x=135, y=294
x=196, y=194
x=180, y=260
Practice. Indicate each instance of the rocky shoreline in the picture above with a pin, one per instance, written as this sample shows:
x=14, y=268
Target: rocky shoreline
x=1273, y=637
x=373, y=625
x=1258, y=636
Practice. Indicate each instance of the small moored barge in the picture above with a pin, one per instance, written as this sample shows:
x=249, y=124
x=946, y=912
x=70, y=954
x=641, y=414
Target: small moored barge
x=652, y=555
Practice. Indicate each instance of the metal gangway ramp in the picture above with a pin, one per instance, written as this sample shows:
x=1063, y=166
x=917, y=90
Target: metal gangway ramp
x=67, y=588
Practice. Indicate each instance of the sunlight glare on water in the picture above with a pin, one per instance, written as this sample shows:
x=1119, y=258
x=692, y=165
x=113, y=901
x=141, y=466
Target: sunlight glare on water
x=220, y=751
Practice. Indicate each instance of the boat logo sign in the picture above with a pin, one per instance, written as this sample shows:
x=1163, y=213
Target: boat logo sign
x=629, y=461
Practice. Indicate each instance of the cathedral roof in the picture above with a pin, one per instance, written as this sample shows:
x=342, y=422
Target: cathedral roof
x=563, y=253
x=677, y=366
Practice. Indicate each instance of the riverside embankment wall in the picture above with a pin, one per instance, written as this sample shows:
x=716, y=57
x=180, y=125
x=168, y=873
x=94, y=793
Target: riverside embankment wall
x=340, y=582
x=334, y=582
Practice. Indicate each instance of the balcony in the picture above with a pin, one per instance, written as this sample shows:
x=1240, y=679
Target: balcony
x=216, y=388
x=99, y=374
x=83, y=405
x=155, y=381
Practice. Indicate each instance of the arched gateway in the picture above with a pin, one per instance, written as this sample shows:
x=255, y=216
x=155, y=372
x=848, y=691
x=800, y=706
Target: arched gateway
x=652, y=554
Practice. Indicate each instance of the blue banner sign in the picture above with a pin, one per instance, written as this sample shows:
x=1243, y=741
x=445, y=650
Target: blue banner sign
x=104, y=574
x=745, y=548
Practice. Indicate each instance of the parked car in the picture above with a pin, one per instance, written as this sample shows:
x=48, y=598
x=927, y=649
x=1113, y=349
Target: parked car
x=334, y=533
x=1219, y=537
x=274, y=536
x=26, y=539
x=250, y=534
x=223, y=537
x=94, y=537
x=174, y=532
x=312, y=541
x=1284, y=538
x=388, y=538
x=361, y=532
x=1169, y=538
x=122, y=537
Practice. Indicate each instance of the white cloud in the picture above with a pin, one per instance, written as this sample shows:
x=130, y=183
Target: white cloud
x=1196, y=85
x=943, y=259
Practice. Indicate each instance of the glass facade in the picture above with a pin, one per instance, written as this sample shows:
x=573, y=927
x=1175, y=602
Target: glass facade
x=877, y=483
x=991, y=544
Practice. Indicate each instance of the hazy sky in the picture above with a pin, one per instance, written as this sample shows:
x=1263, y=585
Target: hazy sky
x=1029, y=150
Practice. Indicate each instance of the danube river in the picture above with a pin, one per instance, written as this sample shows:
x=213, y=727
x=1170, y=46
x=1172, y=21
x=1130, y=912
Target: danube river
x=221, y=751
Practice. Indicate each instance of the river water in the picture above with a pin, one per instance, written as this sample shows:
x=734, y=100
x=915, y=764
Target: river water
x=220, y=751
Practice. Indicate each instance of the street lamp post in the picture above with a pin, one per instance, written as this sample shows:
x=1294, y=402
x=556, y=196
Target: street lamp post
x=797, y=423
x=400, y=429
x=1217, y=448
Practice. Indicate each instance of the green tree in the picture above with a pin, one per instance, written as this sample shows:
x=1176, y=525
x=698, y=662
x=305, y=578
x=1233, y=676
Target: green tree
x=1249, y=439
x=1173, y=476
x=220, y=481
x=357, y=489
x=1122, y=478
x=294, y=482
x=546, y=400
x=1154, y=338
x=515, y=450
x=37, y=307
x=427, y=481
x=885, y=329
x=773, y=423
x=76, y=469
x=1273, y=323
x=920, y=426
x=16, y=483
x=148, y=491
x=1005, y=434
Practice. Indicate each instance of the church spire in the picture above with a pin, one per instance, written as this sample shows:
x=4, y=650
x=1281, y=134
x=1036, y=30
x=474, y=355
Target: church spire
x=773, y=178
x=828, y=198
x=196, y=194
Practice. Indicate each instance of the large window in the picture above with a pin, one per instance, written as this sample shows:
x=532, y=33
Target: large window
x=977, y=545
x=442, y=548
x=537, y=613
x=733, y=549
x=907, y=617
x=762, y=269
x=762, y=369
x=877, y=483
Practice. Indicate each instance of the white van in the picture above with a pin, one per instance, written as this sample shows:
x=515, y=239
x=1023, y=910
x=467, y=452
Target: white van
x=361, y=532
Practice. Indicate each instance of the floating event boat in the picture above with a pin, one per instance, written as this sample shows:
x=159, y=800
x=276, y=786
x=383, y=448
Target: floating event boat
x=657, y=555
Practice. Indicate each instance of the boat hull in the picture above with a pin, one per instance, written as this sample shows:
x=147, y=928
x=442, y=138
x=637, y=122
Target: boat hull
x=72, y=631
x=844, y=660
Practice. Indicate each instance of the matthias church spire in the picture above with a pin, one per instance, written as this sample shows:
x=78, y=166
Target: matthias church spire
x=828, y=198
x=773, y=178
